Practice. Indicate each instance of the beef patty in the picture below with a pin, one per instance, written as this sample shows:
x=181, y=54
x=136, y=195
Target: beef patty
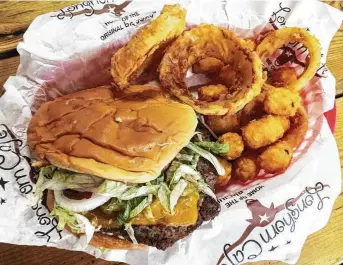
x=161, y=236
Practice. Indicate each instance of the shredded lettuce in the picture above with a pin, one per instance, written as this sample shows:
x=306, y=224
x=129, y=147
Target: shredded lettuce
x=179, y=177
x=66, y=217
x=196, y=179
x=214, y=147
x=158, y=181
x=190, y=189
x=183, y=171
x=195, y=161
x=112, y=188
x=133, y=208
x=204, y=188
x=148, y=213
x=208, y=156
x=76, y=181
x=140, y=207
x=113, y=205
x=125, y=192
x=163, y=195
x=123, y=217
x=48, y=171
x=176, y=193
x=40, y=185
x=199, y=136
x=170, y=172
x=189, y=171
x=134, y=192
x=179, y=170
x=45, y=175
x=87, y=228
x=53, y=178
x=188, y=157
x=184, y=157
x=128, y=228
x=104, y=250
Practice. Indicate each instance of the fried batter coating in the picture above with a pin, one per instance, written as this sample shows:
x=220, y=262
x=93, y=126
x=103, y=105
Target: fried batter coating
x=253, y=110
x=276, y=39
x=265, y=131
x=211, y=41
x=276, y=158
x=251, y=44
x=299, y=125
x=207, y=65
x=235, y=142
x=212, y=92
x=230, y=77
x=223, y=124
x=281, y=102
x=222, y=180
x=246, y=167
x=130, y=61
x=283, y=77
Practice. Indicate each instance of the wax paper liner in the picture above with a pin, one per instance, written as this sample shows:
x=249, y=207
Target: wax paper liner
x=268, y=219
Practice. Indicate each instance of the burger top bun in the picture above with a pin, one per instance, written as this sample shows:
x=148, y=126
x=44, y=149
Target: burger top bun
x=123, y=136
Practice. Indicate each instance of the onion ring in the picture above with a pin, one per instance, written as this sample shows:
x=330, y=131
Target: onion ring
x=299, y=126
x=147, y=46
x=251, y=44
x=210, y=41
x=274, y=40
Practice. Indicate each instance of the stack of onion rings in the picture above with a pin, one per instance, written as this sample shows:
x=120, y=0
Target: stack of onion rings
x=210, y=41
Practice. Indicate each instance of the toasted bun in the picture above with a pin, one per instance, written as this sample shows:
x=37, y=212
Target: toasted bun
x=98, y=239
x=127, y=137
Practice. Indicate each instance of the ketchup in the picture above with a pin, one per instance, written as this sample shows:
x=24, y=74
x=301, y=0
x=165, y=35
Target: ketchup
x=77, y=195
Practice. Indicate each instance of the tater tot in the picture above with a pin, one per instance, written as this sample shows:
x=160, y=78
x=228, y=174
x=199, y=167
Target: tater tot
x=207, y=65
x=235, y=76
x=276, y=158
x=253, y=110
x=222, y=180
x=265, y=131
x=235, y=142
x=282, y=102
x=282, y=77
x=299, y=125
x=245, y=167
x=223, y=124
x=230, y=77
x=212, y=92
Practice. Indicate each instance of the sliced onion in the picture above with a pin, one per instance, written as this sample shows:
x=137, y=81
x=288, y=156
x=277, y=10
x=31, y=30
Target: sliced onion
x=83, y=205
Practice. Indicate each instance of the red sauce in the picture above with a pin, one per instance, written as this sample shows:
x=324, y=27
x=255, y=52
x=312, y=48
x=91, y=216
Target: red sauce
x=77, y=195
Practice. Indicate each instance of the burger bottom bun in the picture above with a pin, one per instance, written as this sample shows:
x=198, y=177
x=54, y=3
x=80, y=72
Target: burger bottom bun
x=98, y=239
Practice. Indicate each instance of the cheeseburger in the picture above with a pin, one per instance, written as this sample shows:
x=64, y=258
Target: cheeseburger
x=132, y=166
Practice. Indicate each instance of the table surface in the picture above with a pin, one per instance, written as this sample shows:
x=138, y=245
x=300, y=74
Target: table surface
x=323, y=247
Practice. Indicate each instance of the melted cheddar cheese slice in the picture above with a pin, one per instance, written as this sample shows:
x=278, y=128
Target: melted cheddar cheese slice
x=186, y=214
